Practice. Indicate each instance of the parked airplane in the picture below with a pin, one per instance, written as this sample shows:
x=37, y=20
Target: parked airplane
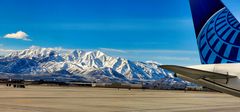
x=218, y=39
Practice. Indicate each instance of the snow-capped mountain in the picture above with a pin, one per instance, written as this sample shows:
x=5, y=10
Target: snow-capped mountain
x=92, y=65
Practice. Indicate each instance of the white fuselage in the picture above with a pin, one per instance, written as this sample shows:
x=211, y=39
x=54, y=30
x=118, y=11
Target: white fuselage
x=232, y=69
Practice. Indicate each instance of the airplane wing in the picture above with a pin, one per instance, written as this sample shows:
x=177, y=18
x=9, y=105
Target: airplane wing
x=196, y=73
x=206, y=78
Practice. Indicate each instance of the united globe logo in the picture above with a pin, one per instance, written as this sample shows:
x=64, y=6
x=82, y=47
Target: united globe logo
x=219, y=39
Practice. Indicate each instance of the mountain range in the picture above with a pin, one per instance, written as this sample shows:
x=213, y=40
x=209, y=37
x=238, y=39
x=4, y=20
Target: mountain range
x=79, y=64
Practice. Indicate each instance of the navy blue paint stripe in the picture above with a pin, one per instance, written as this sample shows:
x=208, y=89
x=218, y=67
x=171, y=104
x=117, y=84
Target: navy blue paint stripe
x=218, y=60
x=221, y=27
x=222, y=49
x=238, y=25
x=232, y=20
x=212, y=21
x=210, y=30
x=201, y=49
x=202, y=37
x=234, y=23
x=215, y=43
x=223, y=11
x=229, y=62
x=230, y=17
x=230, y=35
x=220, y=22
x=211, y=36
x=224, y=32
x=233, y=53
x=208, y=55
x=237, y=40
x=221, y=17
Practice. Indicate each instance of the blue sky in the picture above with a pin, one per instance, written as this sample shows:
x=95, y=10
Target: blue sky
x=158, y=30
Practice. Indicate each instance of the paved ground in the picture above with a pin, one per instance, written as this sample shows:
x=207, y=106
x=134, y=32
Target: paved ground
x=70, y=99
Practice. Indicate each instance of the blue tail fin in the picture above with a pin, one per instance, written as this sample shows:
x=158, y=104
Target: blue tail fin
x=217, y=31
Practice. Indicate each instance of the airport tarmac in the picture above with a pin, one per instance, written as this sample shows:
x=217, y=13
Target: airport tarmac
x=79, y=99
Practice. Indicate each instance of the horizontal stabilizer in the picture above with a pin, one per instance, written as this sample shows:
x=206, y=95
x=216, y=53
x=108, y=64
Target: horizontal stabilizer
x=196, y=73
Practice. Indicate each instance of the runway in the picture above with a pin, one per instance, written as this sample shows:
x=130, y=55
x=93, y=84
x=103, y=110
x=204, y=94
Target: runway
x=79, y=99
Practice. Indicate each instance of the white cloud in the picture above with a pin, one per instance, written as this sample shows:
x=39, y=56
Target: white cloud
x=175, y=58
x=150, y=51
x=164, y=56
x=151, y=61
x=6, y=51
x=18, y=35
x=164, y=51
x=112, y=50
x=59, y=49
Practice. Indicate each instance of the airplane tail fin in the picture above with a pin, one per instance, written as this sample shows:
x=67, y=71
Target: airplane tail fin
x=217, y=32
